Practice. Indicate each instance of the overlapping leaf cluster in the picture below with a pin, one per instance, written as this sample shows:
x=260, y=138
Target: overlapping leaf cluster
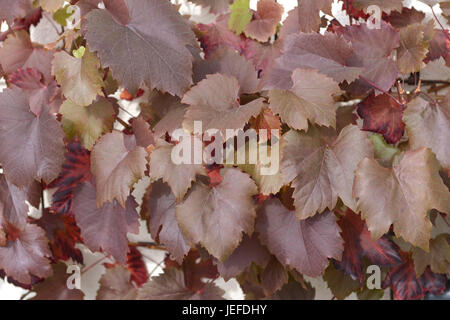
x=364, y=116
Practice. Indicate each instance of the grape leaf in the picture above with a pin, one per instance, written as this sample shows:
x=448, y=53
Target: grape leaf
x=25, y=253
x=117, y=163
x=404, y=18
x=55, y=287
x=407, y=286
x=445, y=7
x=75, y=170
x=401, y=196
x=250, y=251
x=41, y=151
x=359, y=244
x=216, y=36
x=90, y=122
x=136, y=265
x=240, y=15
x=171, y=286
x=385, y=5
x=10, y=11
x=290, y=24
x=115, y=284
x=439, y=45
x=413, y=48
x=268, y=15
x=14, y=208
x=321, y=166
x=18, y=52
x=384, y=152
x=63, y=14
x=158, y=209
x=309, y=18
x=39, y=92
x=270, y=181
x=143, y=41
x=345, y=115
x=86, y=6
x=310, y=98
x=79, y=78
x=51, y=5
x=306, y=50
x=143, y=133
x=294, y=291
x=216, y=217
x=428, y=125
x=274, y=276
x=178, y=176
x=303, y=245
x=383, y=115
x=215, y=6
x=63, y=235
x=230, y=63
x=372, y=49
x=197, y=266
x=438, y=258
x=340, y=284
x=168, y=109
x=98, y=224
x=214, y=101
x=266, y=120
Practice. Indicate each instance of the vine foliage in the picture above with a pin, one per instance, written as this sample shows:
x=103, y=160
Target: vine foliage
x=363, y=112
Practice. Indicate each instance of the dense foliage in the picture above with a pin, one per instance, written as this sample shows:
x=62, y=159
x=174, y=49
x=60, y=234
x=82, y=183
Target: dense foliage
x=364, y=115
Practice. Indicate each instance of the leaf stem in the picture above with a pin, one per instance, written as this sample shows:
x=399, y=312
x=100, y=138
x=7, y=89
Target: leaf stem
x=122, y=122
x=52, y=22
x=42, y=196
x=149, y=245
x=439, y=22
x=155, y=268
x=410, y=82
x=86, y=269
x=384, y=91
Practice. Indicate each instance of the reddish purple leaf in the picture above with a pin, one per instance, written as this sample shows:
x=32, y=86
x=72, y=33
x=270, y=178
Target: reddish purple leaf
x=249, y=250
x=105, y=228
x=406, y=286
x=75, y=170
x=158, y=209
x=25, y=253
x=39, y=93
x=359, y=244
x=304, y=245
x=383, y=115
x=63, y=235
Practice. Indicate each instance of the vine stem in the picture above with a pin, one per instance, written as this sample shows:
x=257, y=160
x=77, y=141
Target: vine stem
x=53, y=25
x=384, y=91
x=430, y=82
x=148, y=245
x=155, y=268
x=122, y=122
x=350, y=17
x=42, y=196
x=443, y=218
x=93, y=265
x=439, y=22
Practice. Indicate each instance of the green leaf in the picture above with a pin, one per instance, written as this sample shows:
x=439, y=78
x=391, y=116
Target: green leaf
x=79, y=53
x=63, y=14
x=88, y=123
x=384, y=152
x=240, y=16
